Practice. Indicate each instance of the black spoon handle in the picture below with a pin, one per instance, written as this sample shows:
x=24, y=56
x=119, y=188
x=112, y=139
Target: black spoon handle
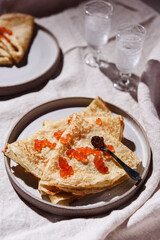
x=132, y=173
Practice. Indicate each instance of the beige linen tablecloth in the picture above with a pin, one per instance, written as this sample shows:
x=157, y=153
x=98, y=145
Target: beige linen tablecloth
x=140, y=217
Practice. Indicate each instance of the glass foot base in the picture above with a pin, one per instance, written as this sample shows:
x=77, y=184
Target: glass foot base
x=125, y=82
x=91, y=60
x=124, y=87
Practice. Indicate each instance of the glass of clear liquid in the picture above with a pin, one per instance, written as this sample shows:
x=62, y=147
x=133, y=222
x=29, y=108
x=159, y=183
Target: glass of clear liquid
x=97, y=27
x=129, y=45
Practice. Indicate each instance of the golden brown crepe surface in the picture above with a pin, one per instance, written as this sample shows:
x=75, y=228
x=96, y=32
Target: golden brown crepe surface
x=24, y=153
x=86, y=178
x=20, y=26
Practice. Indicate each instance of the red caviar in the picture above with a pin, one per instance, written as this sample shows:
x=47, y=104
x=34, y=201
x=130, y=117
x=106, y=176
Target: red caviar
x=39, y=144
x=58, y=134
x=96, y=152
x=80, y=157
x=99, y=164
x=99, y=121
x=70, y=153
x=85, y=150
x=79, y=154
x=88, y=150
x=66, y=140
x=65, y=169
x=107, y=155
x=4, y=31
x=69, y=136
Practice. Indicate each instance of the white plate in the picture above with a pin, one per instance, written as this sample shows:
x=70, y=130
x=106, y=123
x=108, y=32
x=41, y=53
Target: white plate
x=26, y=185
x=37, y=66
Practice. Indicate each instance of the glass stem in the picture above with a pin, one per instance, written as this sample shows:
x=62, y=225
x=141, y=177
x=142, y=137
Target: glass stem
x=125, y=78
x=96, y=55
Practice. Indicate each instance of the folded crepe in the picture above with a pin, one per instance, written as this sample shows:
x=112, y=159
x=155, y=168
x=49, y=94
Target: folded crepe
x=77, y=168
x=16, y=30
x=40, y=152
x=97, y=107
x=25, y=153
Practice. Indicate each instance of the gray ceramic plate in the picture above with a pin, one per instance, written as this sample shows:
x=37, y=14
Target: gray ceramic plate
x=37, y=66
x=26, y=185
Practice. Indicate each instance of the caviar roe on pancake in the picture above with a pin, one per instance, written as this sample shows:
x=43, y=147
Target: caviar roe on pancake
x=39, y=144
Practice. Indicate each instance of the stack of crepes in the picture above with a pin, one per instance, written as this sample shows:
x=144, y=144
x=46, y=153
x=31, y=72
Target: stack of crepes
x=62, y=157
x=16, y=31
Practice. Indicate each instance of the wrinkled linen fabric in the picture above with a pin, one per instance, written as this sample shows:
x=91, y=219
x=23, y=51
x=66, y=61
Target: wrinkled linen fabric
x=138, y=218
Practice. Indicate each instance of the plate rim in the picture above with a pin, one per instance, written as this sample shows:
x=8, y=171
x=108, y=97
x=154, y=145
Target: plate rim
x=84, y=210
x=34, y=81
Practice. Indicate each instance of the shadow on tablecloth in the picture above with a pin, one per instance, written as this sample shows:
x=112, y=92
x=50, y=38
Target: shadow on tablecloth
x=110, y=70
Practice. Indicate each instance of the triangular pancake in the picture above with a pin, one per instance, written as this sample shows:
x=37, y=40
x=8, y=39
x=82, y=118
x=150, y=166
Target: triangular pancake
x=97, y=107
x=16, y=30
x=23, y=151
x=85, y=178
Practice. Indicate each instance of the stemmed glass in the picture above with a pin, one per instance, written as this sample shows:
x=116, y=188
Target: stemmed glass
x=97, y=27
x=129, y=44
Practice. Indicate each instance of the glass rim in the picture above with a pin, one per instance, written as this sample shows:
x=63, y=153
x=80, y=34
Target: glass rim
x=126, y=26
x=89, y=3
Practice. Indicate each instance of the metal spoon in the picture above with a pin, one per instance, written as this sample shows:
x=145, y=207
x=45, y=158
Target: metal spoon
x=98, y=142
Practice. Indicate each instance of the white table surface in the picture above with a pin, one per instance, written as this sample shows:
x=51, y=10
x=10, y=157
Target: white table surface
x=139, y=218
